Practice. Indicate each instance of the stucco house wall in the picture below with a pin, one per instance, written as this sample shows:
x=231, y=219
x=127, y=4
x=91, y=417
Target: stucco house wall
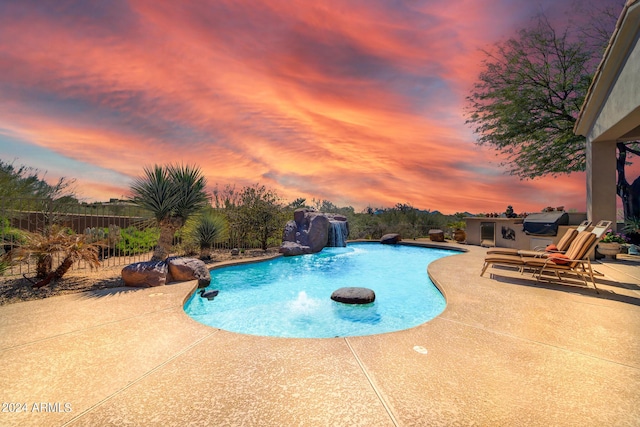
x=611, y=112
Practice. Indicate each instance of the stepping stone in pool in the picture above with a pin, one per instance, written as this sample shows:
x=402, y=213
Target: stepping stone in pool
x=353, y=295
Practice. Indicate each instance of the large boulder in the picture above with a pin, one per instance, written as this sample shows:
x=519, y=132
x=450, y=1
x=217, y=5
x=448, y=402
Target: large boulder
x=156, y=273
x=182, y=269
x=390, y=239
x=290, y=232
x=145, y=274
x=317, y=234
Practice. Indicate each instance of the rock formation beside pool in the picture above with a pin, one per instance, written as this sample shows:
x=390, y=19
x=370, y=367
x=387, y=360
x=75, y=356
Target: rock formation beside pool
x=174, y=269
x=310, y=231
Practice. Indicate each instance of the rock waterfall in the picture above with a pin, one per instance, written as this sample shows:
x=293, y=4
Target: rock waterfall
x=310, y=231
x=338, y=233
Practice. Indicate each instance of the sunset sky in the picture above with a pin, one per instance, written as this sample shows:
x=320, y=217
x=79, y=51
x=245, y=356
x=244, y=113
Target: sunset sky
x=357, y=102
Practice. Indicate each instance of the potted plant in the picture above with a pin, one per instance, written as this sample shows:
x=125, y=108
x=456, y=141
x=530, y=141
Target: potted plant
x=459, y=235
x=610, y=244
x=632, y=230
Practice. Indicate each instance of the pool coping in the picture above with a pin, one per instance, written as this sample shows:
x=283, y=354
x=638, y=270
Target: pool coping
x=505, y=351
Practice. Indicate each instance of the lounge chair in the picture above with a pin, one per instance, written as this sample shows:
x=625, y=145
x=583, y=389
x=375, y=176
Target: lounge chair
x=600, y=228
x=575, y=260
x=561, y=246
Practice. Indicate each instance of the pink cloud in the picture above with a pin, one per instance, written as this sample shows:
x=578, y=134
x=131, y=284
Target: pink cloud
x=360, y=103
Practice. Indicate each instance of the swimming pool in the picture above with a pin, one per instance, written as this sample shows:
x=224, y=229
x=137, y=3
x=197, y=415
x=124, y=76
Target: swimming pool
x=290, y=296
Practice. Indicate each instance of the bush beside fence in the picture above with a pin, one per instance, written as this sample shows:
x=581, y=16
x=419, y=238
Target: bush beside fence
x=123, y=232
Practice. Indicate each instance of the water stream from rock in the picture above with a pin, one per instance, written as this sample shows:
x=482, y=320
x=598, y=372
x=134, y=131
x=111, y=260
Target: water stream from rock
x=337, y=234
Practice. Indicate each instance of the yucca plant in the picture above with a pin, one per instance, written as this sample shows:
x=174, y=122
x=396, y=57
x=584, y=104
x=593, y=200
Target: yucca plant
x=206, y=229
x=172, y=194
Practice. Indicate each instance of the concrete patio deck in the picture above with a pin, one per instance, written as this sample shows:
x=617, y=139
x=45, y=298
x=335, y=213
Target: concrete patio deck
x=505, y=352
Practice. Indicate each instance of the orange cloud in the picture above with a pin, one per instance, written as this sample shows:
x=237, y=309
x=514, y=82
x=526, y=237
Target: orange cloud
x=360, y=103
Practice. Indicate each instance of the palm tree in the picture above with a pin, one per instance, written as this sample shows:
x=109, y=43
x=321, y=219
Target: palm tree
x=45, y=245
x=75, y=248
x=172, y=193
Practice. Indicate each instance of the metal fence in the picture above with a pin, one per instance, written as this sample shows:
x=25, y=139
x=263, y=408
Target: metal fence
x=123, y=232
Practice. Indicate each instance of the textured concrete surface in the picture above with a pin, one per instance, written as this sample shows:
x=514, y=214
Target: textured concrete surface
x=506, y=351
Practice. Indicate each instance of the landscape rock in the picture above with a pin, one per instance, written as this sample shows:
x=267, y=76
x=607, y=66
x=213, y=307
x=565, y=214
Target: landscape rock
x=353, y=295
x=293, y=249
x=390, y=239
x=157, y=273
x=145, y=274
x=436, y=235
x=182, y=269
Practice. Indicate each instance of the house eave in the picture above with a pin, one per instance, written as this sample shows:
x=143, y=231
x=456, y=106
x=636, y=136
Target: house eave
x=621, y=42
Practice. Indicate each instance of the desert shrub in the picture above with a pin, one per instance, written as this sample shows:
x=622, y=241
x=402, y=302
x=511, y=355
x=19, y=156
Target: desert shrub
x=10, y=236
x=135, y=241
x=201, y=232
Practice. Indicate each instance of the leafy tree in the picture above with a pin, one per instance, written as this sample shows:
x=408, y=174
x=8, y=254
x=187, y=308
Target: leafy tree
x=297, y=203
x=324, y=206
x=598, y=24
x=529, y=94
x=22, y=188
x=172, y=194
x=403, y=219
x=260, y=213
x=527, y=101
x=226, y=198
x=365, y=226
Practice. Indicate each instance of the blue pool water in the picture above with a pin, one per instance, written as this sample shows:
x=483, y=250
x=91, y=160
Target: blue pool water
x=290, y=296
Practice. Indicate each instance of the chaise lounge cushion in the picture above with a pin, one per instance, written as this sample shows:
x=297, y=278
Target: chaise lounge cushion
x=560, y=259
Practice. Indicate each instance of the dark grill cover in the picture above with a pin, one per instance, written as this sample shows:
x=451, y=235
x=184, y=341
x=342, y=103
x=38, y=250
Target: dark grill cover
x=546, y=223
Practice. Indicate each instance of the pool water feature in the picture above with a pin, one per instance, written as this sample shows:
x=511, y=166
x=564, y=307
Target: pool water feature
x=290, y=296
x=338, y=232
